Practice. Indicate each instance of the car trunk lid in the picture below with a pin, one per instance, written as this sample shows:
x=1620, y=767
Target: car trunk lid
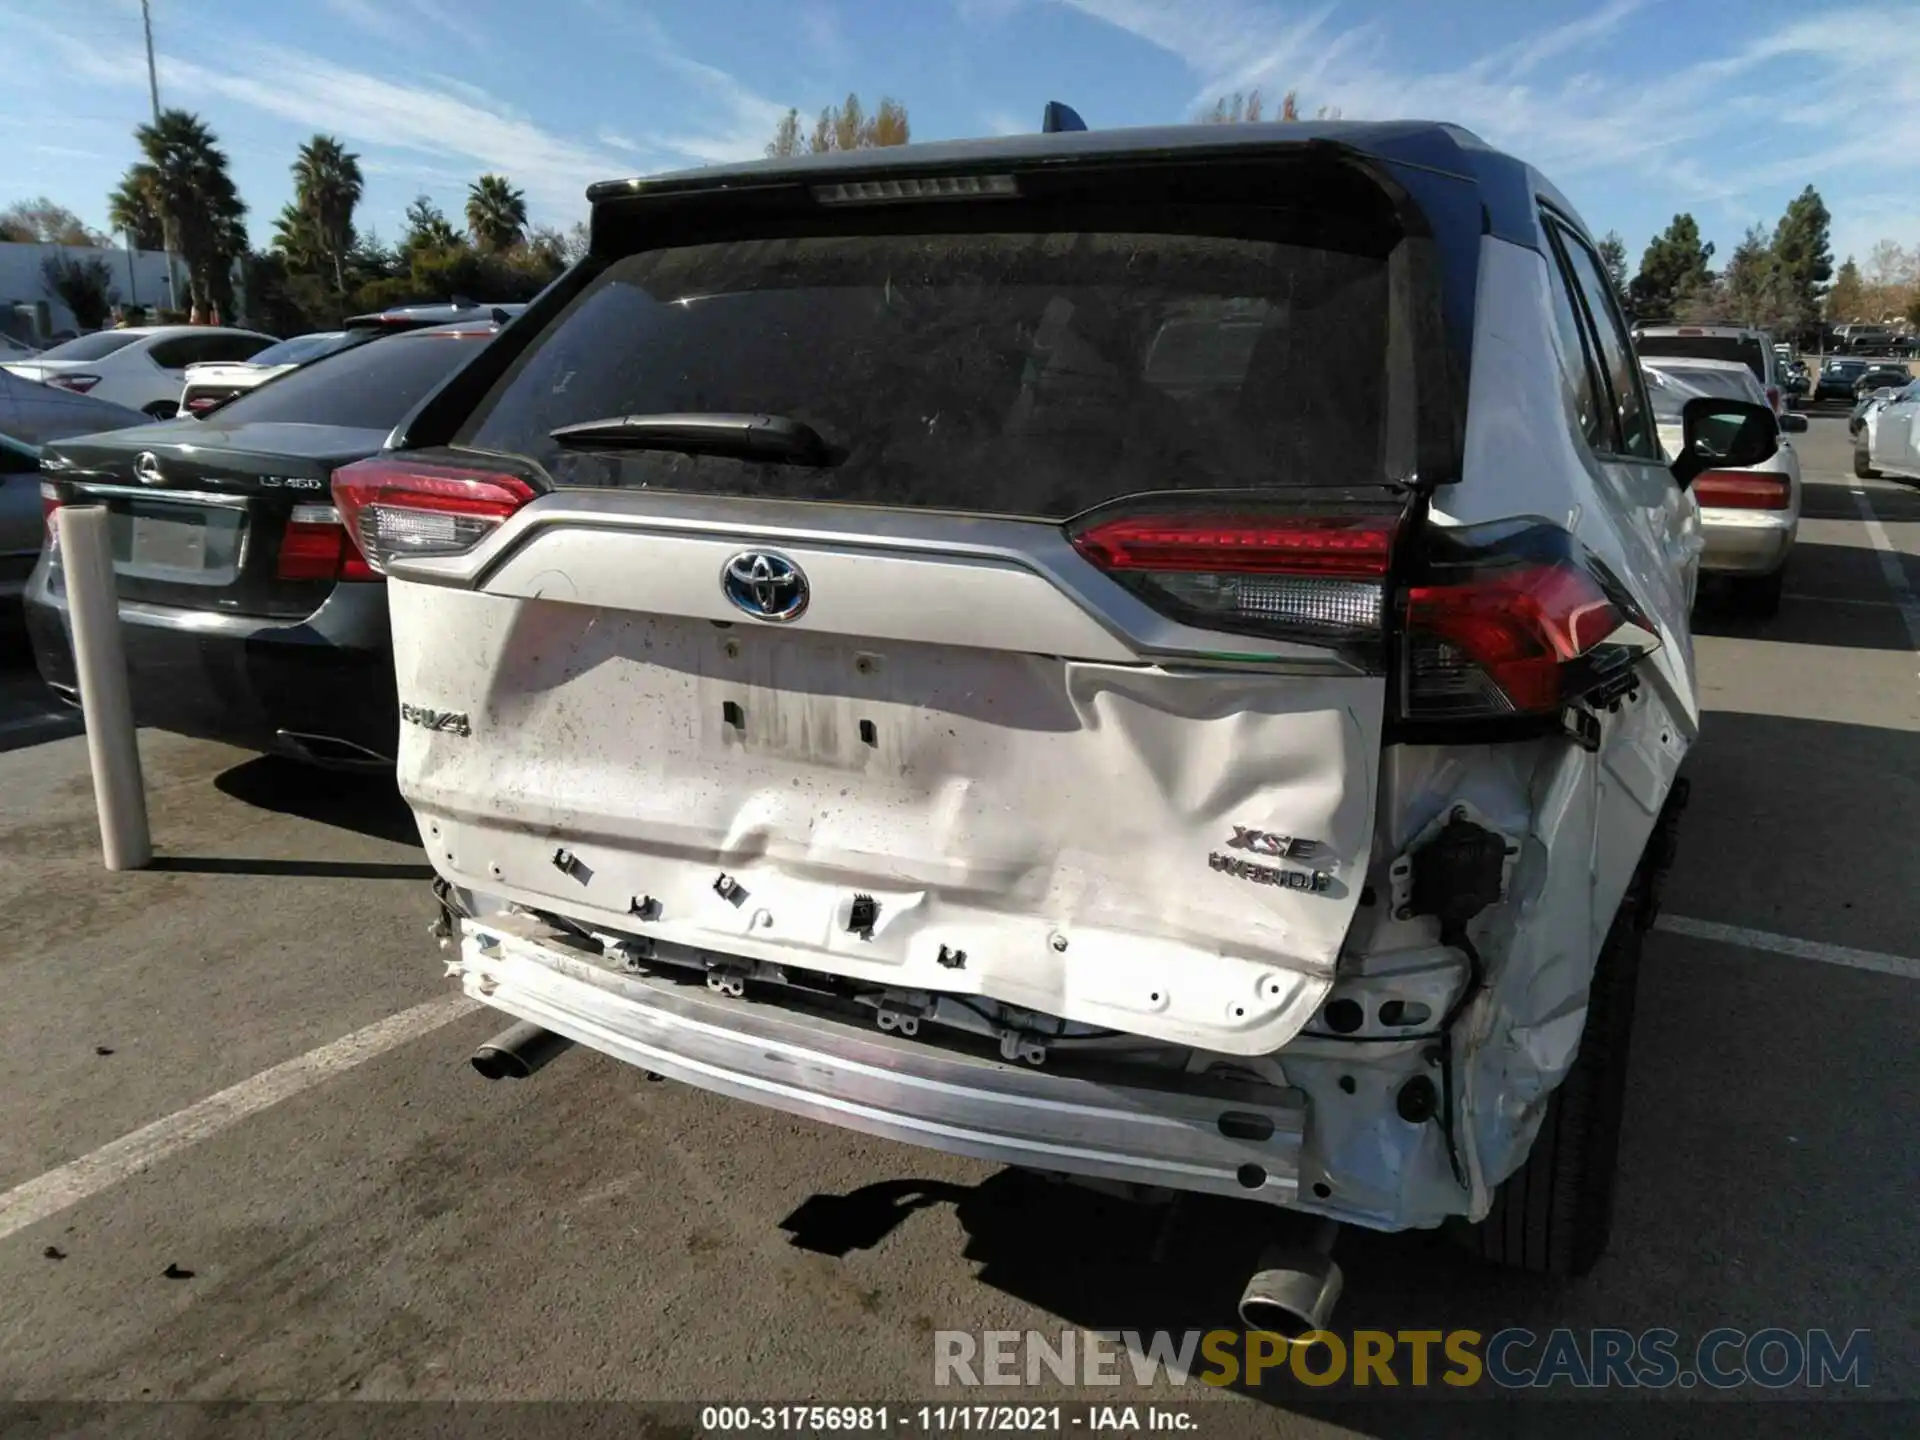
x=224, y=519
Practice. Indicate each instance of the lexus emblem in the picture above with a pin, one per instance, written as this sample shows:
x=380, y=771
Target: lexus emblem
x=765, y=585
x=146, y=469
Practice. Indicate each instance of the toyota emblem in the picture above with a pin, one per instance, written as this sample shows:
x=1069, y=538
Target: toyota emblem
x=765, y=585
x=146, y=469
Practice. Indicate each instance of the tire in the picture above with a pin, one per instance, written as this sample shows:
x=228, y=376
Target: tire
x=1759, y=596
x=162, y=409
x=1861, y=469
x=1553, y=1216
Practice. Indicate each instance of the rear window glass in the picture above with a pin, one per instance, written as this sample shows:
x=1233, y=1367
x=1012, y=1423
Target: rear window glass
x=1723, y=384
x=367, y=387
x=302, y=348
x=1009, y=373
x=1709, y=347
x=91, y=347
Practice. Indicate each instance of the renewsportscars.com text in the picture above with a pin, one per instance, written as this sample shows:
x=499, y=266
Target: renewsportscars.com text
x=1512, y=1359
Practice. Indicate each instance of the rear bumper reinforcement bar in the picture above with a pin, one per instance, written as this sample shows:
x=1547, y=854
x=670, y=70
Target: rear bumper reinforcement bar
x=889, y=1086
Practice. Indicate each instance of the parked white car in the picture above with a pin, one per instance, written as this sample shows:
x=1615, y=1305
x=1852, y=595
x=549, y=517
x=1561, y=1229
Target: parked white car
x=141, y=367
x=1752, y=348
x=1750, y=517
x=210, y=383
x=899, y=690
x=1888, y=442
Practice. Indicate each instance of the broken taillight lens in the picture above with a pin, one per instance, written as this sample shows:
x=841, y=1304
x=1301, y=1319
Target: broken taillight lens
x=1742, y=490
x=395, y=509
x=1513, y=618
x=1315, y=577
x=316, y=547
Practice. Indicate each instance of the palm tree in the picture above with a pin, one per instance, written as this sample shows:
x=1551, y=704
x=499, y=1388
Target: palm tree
x=428, y=228
x=496, y=213
x=131, y=210
x=193, y=191
x=327, y=185
x=297, y=238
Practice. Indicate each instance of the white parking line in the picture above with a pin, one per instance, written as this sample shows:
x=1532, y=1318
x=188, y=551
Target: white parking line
x=49, y=1194
x=1891, y=569
x=1901, y=965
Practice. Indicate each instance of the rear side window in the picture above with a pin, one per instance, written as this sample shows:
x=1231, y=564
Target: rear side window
x=1580, y=383
x=1034, y=374
x=366, y=387
x=1621, y=368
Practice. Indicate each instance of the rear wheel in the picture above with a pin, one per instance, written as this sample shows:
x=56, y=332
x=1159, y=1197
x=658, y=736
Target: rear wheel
x=1554, y=1214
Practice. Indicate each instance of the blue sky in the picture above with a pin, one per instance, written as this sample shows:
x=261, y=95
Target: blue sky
x=1636, y=109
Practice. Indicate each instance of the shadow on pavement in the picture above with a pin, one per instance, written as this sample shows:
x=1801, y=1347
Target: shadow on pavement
x=1834, y=500
x=309, y=869
x=1819, y=608
x=368, y=804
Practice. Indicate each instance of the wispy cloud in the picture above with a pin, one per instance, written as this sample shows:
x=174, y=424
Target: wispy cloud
x=384, y=115
x=824, y=35
x=1005, y=122
x=1566, y=116
x=407, y=22
x=613, y=139
x=739, y=119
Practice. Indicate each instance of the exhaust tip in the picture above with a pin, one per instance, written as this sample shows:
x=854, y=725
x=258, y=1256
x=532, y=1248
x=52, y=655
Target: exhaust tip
x=1292, y=1294
x=497, y=1064
x=518, y=1051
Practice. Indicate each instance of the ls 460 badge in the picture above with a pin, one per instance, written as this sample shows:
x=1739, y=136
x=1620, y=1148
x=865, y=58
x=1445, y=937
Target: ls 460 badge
x=451, y=722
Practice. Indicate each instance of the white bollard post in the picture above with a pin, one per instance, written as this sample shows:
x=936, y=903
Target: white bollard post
x=100, y=663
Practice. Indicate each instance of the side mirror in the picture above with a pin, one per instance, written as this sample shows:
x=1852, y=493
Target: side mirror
x=1729, y=434
x=1793, y=424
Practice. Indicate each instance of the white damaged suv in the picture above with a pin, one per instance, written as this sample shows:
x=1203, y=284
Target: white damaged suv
x=1155, y=655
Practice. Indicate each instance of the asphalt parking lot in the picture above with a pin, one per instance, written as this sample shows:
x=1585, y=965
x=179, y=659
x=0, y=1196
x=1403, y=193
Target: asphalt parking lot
x=226, y=1172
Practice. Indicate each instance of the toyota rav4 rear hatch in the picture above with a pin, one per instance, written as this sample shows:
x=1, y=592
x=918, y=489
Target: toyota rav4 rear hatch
x=972, y=583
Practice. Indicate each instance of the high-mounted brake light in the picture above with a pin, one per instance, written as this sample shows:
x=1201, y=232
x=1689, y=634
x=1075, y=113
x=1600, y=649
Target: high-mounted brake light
x=1514, y=619
x=1742, y=490
x=395, y=509
x=917, y=187
x=316, y=547
x=78, y=384
x=1316, y=577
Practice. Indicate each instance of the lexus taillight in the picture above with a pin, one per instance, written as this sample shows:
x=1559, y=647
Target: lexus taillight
x=79, y=384
x=315, y=547
x=1317, y=577
x=1742, y=490
x=395, y=509
x=1510, y=619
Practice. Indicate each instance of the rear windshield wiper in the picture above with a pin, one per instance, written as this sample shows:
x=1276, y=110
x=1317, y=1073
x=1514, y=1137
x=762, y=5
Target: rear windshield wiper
x=749, y=437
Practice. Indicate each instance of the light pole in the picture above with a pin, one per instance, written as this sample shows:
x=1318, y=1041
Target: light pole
x=153, y=93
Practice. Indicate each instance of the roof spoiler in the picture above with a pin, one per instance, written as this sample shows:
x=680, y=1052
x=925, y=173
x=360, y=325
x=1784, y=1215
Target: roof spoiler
x=1058, y=117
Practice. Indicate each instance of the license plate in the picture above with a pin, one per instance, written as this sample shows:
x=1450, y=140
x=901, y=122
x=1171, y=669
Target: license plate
x=175, y=542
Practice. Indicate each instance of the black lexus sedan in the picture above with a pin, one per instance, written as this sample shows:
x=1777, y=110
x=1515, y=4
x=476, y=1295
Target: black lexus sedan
x=248, y=615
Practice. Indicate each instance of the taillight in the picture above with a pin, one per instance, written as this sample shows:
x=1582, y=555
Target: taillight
x=1317, y=577
x=1512, y=619
x=200, y=404
x=316, y=547
x=1742, y=490
x=395, y=509
x=50, y=503
x=1773, y=398
x=79, y=384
